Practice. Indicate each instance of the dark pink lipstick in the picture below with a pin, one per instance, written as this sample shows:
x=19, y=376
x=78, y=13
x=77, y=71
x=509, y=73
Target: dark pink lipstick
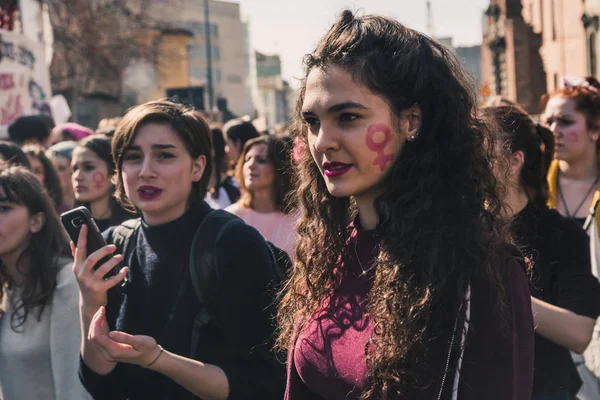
x=335, y=169
x=148, y=192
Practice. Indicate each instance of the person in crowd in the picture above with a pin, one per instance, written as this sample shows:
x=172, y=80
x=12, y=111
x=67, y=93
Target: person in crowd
x=265, y=176
x=572, y=113
x=30, y=129
x=566, y=296
x=107, y=126
x=68, y=131
x=222, y=190
x=44, y=170
x=93, y=169
x=60, y=154
x=145, y=344
x=404, y=285
x=13, y=154
x=237, y=132
x=39, y=300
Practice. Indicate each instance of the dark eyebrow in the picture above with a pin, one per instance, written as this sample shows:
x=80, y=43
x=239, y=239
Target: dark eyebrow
x=339, y=107
x=154, y=146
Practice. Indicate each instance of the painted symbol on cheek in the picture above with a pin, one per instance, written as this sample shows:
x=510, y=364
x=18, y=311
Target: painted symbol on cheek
x=99, y=179
x=572, y=137
x=377, y=144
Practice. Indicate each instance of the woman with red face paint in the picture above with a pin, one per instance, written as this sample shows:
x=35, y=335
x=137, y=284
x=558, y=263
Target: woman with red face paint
x=93, y=168
x=264, y=173
x=566, y=296
x=572, y=113
x=158, y=338
x=404, y=286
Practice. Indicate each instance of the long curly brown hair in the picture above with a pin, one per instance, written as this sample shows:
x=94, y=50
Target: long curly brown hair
x=438, y=218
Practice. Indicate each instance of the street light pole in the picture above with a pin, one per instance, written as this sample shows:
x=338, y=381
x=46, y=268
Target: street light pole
x=209, y=72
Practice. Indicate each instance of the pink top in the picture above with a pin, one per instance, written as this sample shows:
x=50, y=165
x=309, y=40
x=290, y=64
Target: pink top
x=276, y=227
x=330, y=350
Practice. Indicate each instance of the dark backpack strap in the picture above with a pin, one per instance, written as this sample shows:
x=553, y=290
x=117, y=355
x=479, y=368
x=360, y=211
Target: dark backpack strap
x=122, y=236
x=204, y=268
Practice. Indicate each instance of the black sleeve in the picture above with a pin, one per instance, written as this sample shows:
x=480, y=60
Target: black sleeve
x=245, y=308
x=577, y=289
x=111, y=386
x=103, y=387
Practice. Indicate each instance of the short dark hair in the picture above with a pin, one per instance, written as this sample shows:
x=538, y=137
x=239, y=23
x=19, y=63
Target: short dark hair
x=188, y=124
x=11, y=153
x=29, y=128
x=240, y=131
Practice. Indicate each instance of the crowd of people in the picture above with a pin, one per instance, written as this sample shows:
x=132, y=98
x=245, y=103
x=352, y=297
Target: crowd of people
x=400, y=240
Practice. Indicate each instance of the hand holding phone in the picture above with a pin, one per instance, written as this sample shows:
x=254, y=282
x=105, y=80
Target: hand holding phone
x=73, y=220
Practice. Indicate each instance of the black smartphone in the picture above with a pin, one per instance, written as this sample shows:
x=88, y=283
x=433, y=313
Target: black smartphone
x=73, y=220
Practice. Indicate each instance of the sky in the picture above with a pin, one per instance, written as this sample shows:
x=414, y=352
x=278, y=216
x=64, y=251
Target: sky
x=293, y=28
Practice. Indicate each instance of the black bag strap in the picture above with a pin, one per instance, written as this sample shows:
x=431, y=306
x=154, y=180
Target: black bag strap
x=122, y=236
x=123, y=233
x=204, y=269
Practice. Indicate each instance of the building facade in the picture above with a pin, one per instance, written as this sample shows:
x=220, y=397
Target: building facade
x=511, y=62
x=529, y=46
x=229, y=47
x=274, y=93
x=590, y=21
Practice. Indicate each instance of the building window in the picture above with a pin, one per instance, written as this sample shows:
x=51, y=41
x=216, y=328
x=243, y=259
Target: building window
x=592, y=54
x=198, y=73
x=197, y=51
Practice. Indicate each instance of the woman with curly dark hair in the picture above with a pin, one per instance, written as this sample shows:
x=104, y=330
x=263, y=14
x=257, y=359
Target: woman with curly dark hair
x=404, y=286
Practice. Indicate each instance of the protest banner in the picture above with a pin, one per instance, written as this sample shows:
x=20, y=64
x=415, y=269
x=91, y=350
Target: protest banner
x=24, y=79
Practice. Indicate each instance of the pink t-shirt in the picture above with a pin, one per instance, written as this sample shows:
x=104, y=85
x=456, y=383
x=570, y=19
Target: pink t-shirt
x=330, y=350
x=276, y=227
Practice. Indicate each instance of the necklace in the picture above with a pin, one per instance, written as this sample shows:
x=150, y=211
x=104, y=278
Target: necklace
x=562, y=197
x=364, y=271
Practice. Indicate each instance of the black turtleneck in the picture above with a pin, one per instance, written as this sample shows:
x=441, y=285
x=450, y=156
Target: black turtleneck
x=160, y=302
x=559, y=250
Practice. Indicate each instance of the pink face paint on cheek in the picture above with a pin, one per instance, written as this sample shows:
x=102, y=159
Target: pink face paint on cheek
x=572, y=137
x=99, y=179
x=378, y=137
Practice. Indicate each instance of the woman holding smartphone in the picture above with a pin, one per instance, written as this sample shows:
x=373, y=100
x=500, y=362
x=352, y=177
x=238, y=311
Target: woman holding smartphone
x=39, y=328
x=136, y=343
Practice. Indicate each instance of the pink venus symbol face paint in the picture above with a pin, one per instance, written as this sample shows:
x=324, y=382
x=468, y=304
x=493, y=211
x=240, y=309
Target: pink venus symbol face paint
x=378, y=137
x=99, y=179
